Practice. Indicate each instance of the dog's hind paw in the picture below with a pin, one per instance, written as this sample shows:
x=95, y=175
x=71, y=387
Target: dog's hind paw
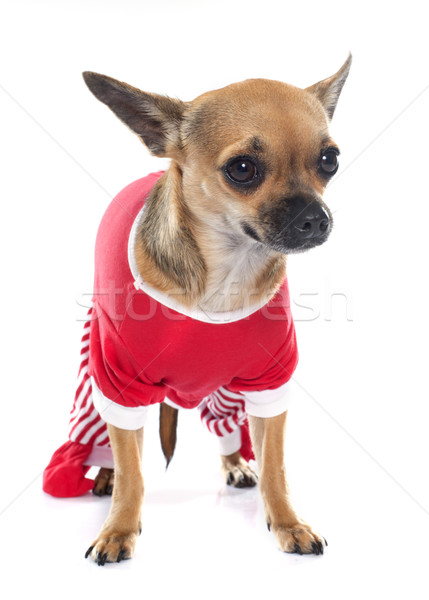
x=103, y=482
x=237, y=471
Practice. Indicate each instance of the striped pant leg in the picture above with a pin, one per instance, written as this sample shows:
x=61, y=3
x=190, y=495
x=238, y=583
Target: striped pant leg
x=86, y=426
x=88, y=444
x=223, y=413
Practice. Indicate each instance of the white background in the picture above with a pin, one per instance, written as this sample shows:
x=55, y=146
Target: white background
x=357, y=442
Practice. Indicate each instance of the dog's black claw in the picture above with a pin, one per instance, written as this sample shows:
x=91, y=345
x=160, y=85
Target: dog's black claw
x=269, y=526
x=98, y=493
x=101, y=559
x=88, y=552
x=140, y=530
x=249, y=481
x=316, y=548
x=121, y=555
x=326, y=543
x=298, y=549
x=321, y=548
x=230, y=479
x=109, y=490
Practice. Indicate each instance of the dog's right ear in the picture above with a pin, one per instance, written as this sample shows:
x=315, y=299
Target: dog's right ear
x=155, y=119
x=329, y=90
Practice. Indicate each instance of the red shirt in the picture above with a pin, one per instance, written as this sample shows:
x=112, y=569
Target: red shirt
x=144, y=346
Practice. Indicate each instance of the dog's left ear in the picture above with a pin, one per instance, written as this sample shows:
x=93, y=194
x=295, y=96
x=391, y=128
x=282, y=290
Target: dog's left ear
x=328, y=90
x=155, y=119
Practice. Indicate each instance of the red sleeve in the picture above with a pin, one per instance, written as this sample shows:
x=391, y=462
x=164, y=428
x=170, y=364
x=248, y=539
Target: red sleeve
x=115, y=372
x=278, y=365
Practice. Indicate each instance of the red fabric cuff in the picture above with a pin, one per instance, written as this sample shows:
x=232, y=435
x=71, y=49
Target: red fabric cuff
x=64, y=477
x=246, y=449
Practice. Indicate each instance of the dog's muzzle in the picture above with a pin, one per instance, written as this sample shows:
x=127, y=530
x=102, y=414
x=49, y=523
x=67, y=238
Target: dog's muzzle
x=298, y=223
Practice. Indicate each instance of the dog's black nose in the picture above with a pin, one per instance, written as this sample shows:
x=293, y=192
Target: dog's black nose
x=309, y=220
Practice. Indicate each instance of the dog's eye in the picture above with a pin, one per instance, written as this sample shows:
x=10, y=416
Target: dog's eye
x=241, y=170
x=329, y=162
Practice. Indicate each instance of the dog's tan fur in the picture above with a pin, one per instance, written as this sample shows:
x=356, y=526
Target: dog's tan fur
x=191, y=245
x=292, y=533
x=212, y=278
x=118, y=536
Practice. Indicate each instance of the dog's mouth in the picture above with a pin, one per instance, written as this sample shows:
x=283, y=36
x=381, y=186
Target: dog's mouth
x=291, y=246
x=251, y=232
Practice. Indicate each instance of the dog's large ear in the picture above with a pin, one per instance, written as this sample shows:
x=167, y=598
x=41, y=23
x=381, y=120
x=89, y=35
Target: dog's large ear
x=155, y=119
x=328, y=90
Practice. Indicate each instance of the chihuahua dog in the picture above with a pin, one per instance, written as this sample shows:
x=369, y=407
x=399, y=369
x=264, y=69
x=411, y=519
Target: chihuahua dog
x=249, y=165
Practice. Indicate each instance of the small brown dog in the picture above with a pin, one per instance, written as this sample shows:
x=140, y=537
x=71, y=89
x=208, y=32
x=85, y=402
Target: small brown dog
x=249, y=165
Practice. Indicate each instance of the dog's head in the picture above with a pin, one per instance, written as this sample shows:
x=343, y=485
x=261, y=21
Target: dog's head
x=255, y=157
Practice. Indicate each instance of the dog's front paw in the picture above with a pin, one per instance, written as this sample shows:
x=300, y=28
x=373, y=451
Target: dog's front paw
x=299, y=538
x=112, y=546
